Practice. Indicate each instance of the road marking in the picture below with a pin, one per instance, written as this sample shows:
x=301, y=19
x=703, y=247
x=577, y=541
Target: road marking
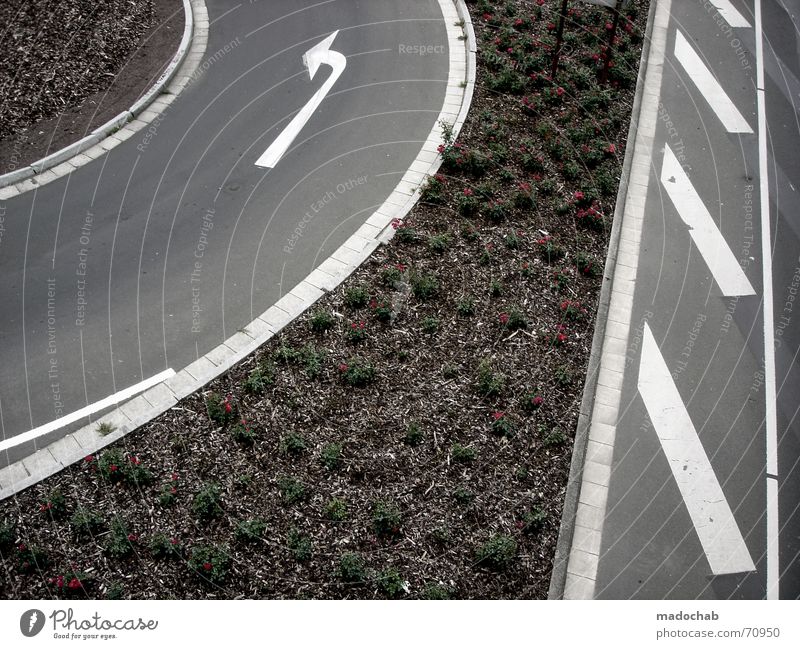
x=704, y=232
x=711, y=515
x=730, y=13
x=97, y=406
x=770, y=390
x=316, y=56
x=709, y=87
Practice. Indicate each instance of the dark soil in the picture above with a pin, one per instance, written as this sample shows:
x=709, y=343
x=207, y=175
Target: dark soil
x=411, y=437
x=69, y=66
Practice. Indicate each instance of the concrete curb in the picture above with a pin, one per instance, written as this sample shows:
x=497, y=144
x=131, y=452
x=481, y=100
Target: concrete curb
x=99, y=134
x=567, y=532
x=327, y=276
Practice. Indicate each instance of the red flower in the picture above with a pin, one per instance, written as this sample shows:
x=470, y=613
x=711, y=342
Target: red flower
x=503, y=318
x=518, y=22
x=89, y=458
x=397, y=223
x=487, y=16
x=342, y=367
x=468, y=192
x=207, y=566
x=440, y=178
x=561, y=338
x=498, y=414
x=609, y=26
x=537, y=401
x=173, y=541
x=579, y=196
x=510, y=50
x=540, y=2
x=612, y=148
x=74, y=583
x=60, y=581
x=22, y=547
x=113, y=468
x=133, y=538
x=174, y=477
x=559, y=91
x=135, y=461
x=440, y=148
x=228, y=407
x=401, y=267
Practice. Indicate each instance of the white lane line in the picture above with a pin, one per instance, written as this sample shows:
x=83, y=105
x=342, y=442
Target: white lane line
x=704, y=232
x=97, y=406
x=730, y=13
x=709, y=87
x=710, y=512
x=770, y=390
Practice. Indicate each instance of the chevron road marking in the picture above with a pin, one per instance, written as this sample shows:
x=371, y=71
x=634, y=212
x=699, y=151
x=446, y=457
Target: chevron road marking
x=730, y=13
x=710, y=512
x=704, y=232
x=709, y=87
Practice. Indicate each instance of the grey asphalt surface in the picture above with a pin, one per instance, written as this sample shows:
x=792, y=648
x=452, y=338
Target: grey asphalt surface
x=650, y=549
x=153, y=255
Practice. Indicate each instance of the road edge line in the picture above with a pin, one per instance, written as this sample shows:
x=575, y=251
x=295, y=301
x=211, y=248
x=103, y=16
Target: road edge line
x=65, y=160
x=559, y=578
x=324, y=278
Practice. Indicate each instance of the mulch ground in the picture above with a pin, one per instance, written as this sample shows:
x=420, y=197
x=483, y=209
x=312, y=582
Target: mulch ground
x=69, y=66
x=411, y=436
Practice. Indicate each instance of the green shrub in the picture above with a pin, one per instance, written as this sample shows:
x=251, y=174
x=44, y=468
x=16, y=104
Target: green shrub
x=386, y=518
x=433, y=590
x=466, y=307
x=430, y=325
x=243, y=433
x=86, y=523
x=119, y=541
x=356, y=297
x=336, y=509
x=260, y=378
x=533, y=520
x=351, y=568
x=31, y=558
x=220, y=409
x=293, y=443
x=54, y=505
x=321, y=321
x=463, y=496
x=162, y=546
x=490, y=383
x=250, y=531
x=299, y=545
x=292, y=490
x=110, y=466
x=462, y=454
x=210, y=562
x=423, y=285
x=497, y=553
x=438, y=243
x=8, y=534
x=414, y=434
x=331, y=456
x=555, y=437
x=207, y=502
x=357, y=373
x=390, y=583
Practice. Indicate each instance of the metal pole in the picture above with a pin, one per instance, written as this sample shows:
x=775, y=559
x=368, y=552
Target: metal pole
x=614, y=27
x=559, y=39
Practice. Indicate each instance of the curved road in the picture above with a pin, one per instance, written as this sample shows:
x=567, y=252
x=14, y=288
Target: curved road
x=151, y=256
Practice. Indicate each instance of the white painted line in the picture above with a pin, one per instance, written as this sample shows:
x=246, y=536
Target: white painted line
x=704, y=232
x=92, y=408
x=711, y=515
x=312, y=59
x=709, y=87
x=730, y=13
x=770, y=389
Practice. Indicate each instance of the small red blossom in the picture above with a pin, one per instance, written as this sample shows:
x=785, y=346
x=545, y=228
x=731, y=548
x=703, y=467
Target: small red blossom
x=559, y=91
x=112, y=468
x=342, y=367
x=503, y=318
x=74, y=583
x=612, y=148
x=89, y=459
x=207, y=566
x=173, y=541
x=135, y=460
x=440, y=148
x=60, y=581
x=579, y=195
x=498, y=414
x=537, y=401
x=397, y=223
x=133, y=538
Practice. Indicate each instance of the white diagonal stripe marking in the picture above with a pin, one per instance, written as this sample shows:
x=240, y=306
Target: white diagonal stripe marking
x=711, y=515
x=709, y=87
x=704, y=232
x=730, y=13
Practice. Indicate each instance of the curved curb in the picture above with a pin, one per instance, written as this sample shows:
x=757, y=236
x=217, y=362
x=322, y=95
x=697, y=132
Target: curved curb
x=156, y=400
x=195, y=29
x=561, y=584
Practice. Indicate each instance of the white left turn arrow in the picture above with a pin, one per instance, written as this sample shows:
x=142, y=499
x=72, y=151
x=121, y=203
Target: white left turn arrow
x=316, y=56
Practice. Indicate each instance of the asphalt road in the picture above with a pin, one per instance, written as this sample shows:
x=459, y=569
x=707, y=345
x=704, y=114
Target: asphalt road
x=713, y=343
x=153, y=255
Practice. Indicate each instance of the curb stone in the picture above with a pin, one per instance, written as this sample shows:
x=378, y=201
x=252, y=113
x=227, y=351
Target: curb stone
x=195, y=24
x=563, y=583
x=151, y=403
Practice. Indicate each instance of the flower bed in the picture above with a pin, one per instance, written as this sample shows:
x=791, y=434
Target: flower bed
x=411, y=436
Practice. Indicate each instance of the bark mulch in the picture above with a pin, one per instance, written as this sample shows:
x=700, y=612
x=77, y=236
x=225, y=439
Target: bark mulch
x=411, y=436
x=69, y=66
